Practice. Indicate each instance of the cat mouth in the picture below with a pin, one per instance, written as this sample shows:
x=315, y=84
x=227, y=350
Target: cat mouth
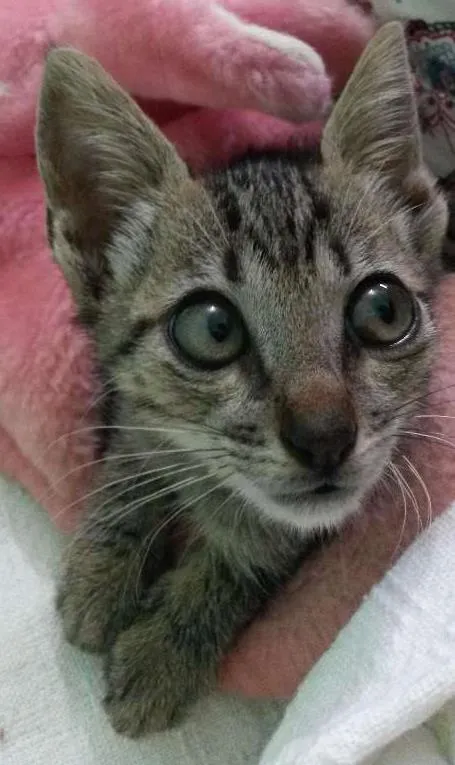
x=323, y=490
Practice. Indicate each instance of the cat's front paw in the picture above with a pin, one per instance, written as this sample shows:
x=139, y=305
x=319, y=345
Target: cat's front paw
x=92, y=598
x=150, y=682
x=85, y=616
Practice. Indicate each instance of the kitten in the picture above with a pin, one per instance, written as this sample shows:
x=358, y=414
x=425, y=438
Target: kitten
x=266, y=331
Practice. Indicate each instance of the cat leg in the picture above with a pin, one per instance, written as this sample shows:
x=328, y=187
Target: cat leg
x=169, y=656
x=103, y=578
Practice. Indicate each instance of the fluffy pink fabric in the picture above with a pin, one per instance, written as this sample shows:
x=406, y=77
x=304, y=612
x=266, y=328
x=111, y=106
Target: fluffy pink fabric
x=204, y=55
x=213, y=54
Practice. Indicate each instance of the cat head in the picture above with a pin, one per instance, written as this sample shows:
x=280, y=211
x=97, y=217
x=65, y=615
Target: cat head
x=275, y=314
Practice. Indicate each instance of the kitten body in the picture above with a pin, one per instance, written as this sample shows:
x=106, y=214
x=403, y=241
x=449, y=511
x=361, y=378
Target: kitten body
x=264, y=334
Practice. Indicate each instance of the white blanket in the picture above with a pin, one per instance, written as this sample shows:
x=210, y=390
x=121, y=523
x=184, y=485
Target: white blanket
x=50, y=694
x=390, y=671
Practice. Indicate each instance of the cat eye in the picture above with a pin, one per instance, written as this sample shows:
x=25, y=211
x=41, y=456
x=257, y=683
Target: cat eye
x=381, y=311
x=208, y=330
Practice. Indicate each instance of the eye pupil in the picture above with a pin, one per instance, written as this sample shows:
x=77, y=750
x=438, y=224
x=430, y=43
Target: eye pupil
x=219, y=324
x=384, y=308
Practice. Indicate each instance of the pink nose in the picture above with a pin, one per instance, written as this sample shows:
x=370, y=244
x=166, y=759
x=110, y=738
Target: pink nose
x=319, y=429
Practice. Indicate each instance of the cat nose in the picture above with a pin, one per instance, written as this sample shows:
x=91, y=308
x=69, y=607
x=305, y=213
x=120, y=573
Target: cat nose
x=321, y=434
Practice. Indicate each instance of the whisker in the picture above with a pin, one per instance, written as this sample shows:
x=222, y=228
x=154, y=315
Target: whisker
x=148, y=543
x=423, y=398
x=216, y=218
x=219, y=485
x=240, y=513
x=129, y=428
x=180, y=510
x=360, y=203
x=97, y=401
x=387, y=222
x=210, y=239
x=231, y=494
x=197, y=466
x=435, y=416
x=206, y=494
x=346, y=196
x=137, y=503
x=397, y=476
x=422, y=483
x=132, y=456
x=200, y=243
x=384, y=482
x=157, y=474
x=413, y=499
x=220, y=227
x=109, y=519
x=429, y=436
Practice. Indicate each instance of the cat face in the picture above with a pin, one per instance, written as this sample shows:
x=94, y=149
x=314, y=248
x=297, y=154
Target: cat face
x=273, y=317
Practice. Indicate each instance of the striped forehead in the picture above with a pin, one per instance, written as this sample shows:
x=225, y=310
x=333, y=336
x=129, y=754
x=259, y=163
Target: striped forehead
x=278, y=212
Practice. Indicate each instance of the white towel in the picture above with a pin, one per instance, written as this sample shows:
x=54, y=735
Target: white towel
x=391, y=669
x=50, y=694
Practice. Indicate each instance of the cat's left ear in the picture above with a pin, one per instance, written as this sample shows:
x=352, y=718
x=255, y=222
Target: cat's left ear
x=374, y=125
x=99, y=157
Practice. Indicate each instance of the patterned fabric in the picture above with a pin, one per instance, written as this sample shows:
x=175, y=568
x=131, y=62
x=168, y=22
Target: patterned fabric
x=432, y=56
x=430, y=30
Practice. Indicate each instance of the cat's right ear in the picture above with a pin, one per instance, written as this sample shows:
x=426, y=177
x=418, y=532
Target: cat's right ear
x=374, y=131
x=98, y=156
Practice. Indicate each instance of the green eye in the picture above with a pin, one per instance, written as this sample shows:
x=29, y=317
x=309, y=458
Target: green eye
x=381, y=311
x=208, y=330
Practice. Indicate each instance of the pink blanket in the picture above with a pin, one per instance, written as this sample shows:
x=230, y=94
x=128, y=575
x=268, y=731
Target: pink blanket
x=202, y=55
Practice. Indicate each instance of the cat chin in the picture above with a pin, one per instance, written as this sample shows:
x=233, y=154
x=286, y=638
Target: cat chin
x=311, y=513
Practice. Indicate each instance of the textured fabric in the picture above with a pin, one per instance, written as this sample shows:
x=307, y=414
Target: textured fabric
x=430, y=29
x=418, y=747
x=391, y=669
x=50, y=694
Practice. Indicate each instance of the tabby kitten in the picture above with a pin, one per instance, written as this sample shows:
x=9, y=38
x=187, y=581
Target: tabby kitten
x=266, y=331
